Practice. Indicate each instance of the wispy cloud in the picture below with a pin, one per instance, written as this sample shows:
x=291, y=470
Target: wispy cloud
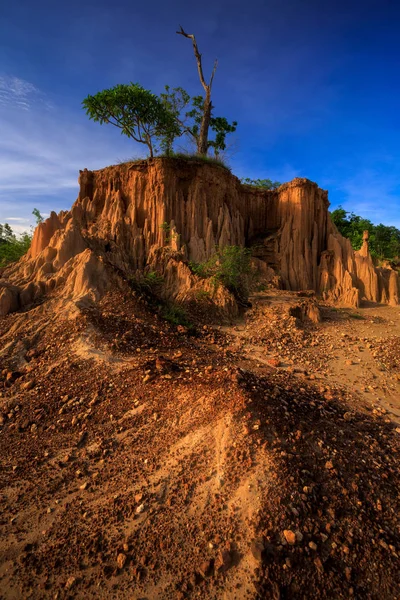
x=41, y=152
x=18, y=219
x=18, y=93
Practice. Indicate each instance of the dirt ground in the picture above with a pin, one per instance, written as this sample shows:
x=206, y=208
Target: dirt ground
x=141, y=460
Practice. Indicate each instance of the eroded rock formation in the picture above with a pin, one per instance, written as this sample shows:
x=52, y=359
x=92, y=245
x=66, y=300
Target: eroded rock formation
x=161, y=213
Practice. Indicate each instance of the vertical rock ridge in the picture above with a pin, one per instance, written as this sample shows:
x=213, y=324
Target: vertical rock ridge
x=124, y=213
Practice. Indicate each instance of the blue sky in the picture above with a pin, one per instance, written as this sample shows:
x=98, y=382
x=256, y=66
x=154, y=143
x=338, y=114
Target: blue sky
x=314, y=85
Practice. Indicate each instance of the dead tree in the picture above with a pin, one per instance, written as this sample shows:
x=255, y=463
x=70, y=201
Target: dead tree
x=202, y=141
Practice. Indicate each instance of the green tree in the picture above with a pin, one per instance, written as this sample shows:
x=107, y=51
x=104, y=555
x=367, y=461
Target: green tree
x=175, y=101
x=6, y=233
x=189, y=119
x=202, y=109
x=387, y=241
x=38, y=216
x=12, y=247
x=384, y=240
x=139, y=114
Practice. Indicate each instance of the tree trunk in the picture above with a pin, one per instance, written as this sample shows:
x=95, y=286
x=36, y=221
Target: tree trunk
x=202, y=143
x=150, y=146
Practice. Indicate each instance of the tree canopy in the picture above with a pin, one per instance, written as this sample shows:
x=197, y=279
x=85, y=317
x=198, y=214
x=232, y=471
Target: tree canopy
x=12, y=247
x=137, y=112
x=384, y=240
x=189, y=115
x=147, y=118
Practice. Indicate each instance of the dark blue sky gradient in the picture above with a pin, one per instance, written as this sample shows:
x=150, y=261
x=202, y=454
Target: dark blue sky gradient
x=314, y=85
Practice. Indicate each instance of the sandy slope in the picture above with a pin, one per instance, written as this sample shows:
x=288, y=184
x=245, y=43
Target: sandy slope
x=141, y=461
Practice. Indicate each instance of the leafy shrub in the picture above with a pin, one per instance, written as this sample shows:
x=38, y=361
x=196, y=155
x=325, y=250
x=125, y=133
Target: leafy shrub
x=202, y=269
x=231, y=267
x=169, y=235
x=199, y=158
x=264, y=184
x=356, y=316
x=202, y=295
x=147, y=283
x=176, y=315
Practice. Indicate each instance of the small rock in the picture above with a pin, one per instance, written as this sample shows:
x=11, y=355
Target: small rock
x=82, y=438
x=312, y=545
x=318, y=564
x=12, y=376
x=205, y=568
x=256, y=548
x=328, y=465
x=223, y=561
x=28, y=385
x=121, y=560
x=289, y=536
x=299, y=535
x=140, y=509
x=274, y=362
x=71, y=581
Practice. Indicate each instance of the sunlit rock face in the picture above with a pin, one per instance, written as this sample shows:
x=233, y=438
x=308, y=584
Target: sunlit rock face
x=163, y=212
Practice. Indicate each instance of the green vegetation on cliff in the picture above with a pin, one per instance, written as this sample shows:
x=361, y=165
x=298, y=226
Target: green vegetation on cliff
x=12, y=245
x=230, y=266
x=151, y=119
x=384, y=240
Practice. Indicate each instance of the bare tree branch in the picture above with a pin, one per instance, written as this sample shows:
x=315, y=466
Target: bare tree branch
x=202, y=143
x=197, y=54
x=213, y=73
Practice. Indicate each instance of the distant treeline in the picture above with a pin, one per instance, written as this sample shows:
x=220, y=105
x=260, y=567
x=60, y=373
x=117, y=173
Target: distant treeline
x=12, y=245
x=384, y=240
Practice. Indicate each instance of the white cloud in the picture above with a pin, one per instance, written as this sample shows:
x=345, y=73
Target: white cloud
x=19, y=219
x=41, y=152
x=17, y=92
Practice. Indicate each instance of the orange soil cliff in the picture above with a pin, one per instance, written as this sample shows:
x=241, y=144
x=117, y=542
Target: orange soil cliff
x=117, y=228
